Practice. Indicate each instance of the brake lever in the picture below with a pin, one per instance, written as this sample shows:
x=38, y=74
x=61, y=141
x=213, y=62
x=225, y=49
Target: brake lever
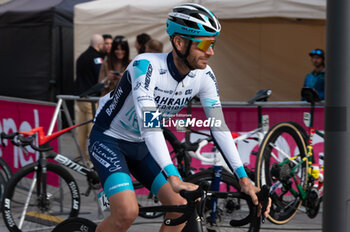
x=24, y=149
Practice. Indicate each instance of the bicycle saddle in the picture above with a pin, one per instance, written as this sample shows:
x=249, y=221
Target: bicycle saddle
x=261, y=95
x=310, y=95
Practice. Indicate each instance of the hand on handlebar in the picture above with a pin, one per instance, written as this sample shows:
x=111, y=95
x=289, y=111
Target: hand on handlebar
x=177, y=185
x=248, y=188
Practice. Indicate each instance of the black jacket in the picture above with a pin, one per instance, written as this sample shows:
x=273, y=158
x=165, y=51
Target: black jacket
x=87, y=70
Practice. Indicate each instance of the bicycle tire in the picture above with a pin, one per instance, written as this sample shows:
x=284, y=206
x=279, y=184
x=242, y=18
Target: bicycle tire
x=284, y=136
x=146, y=198
x=5, y=170
x=62, y=200
x=2, y=188
x=75, y=224
x=230, y=210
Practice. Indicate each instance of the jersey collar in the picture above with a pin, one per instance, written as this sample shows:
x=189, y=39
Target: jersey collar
x=172, y=68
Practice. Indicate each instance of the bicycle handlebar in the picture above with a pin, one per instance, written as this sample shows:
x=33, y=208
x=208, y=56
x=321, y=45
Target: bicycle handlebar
x=192, y=196
x=20, y=140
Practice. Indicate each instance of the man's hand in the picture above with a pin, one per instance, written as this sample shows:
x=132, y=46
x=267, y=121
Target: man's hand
x=248, y=188
x=177, y=185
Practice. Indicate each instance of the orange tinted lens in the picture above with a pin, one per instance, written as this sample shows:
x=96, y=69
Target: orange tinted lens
x=204, y=45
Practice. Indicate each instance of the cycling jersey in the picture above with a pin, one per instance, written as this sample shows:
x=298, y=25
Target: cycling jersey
x=152, y=81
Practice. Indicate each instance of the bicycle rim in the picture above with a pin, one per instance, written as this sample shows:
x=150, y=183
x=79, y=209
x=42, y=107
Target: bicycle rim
x=25, y=208
x=284, y=141
x=228, y=209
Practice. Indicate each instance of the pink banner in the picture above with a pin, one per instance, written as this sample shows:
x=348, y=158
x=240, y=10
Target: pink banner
x=245, y=119
x=22, y=116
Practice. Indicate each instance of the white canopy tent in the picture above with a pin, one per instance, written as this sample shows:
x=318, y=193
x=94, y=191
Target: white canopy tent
x=263, y=44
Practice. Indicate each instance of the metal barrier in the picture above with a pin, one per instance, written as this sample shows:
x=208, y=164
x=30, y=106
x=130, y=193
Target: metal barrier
x=62, y=103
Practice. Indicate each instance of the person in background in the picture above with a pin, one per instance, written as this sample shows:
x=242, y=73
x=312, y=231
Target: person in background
x=316, y=78
x=140, y=42
x=87, y=71
x=154, y=46
x=108, y=39
x=114, y=64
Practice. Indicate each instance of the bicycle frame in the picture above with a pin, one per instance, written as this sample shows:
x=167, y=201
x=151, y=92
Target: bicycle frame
x=45, y=152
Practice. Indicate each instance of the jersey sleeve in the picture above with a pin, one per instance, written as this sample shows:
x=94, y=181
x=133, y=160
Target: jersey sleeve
x=143, y=81
x=210, y=100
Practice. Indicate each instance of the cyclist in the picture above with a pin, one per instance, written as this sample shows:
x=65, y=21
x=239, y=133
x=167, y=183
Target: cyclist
x=126, y=137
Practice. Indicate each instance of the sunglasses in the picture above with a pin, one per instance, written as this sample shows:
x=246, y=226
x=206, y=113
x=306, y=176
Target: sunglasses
x=120, y=39
x=203, y=45
x=316, y=52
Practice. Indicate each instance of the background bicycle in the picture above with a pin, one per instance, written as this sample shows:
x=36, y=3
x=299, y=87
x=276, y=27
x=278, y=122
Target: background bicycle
x=44, y=193
x=287, y=163
x=218, y=174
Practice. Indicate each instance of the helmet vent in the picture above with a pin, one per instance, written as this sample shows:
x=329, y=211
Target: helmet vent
x=208, y=29
x=191, y=24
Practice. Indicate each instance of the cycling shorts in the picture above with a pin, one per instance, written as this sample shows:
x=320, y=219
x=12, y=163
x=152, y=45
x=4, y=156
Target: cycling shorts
x=116, y=159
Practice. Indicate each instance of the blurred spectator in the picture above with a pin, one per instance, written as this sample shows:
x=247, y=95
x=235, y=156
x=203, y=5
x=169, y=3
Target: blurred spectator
x=115, y=64
x=140, y=42
x=154, y=46
x=108, y=39
x=315, y=79
x=87, y=70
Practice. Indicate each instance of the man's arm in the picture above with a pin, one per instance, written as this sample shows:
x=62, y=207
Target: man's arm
x=143, y=83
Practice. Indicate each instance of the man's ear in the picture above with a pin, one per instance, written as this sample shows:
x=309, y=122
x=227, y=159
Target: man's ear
x=178, y=42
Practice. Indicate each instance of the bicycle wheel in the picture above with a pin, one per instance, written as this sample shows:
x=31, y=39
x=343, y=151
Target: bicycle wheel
x=146, y=198
x=5, y=170
x=228, y=210
x=5, y=175
x=275, y=168
x=76, y=224
x=2, y=188
x=25, y=207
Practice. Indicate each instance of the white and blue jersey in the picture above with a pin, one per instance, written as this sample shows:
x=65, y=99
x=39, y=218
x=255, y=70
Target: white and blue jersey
x=152, y=81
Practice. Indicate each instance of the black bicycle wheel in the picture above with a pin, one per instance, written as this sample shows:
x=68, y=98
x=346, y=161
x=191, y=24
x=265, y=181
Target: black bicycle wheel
x=75, y=224
x=146, y=198
x=2, y=188
x=275, y=168
x=232, y=210
x=24, y=208
x=5, y=170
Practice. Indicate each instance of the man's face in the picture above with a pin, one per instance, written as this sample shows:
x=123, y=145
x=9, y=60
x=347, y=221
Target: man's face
x=198, y=58
x=107, y=45
x=317, y=61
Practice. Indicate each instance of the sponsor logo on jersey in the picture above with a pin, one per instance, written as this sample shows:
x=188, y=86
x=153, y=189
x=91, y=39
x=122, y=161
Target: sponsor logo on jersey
x=137, y=86
x=214, y=79
x=118, y=92
x=163, y=91
x=148, y=77
x=171, y=101
x=188, y=91
x=162, y=71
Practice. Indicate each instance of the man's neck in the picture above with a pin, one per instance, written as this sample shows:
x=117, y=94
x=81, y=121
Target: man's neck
x=179, y=64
